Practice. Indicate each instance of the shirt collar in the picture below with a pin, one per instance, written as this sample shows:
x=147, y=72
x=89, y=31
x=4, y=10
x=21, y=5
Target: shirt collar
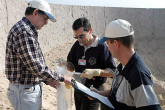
x=94, y=44
x=128, y=65
x=31, y=26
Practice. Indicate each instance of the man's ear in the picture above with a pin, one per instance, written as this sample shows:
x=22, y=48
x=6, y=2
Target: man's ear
x=35, y=12
x=90, y=30
x=116, y=43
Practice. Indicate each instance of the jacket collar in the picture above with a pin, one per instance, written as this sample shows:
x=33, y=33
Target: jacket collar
x=94, y=44
x=128, y=65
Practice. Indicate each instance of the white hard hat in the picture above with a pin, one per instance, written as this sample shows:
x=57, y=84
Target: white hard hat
x=117, y=28
x=43, y=6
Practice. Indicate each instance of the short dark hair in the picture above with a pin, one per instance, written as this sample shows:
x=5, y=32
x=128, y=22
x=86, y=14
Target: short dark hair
x=81, y=22
x=30, y=10
x=127, y=41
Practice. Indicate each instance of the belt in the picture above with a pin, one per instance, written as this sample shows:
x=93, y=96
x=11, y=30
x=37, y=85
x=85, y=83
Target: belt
x=34, y=83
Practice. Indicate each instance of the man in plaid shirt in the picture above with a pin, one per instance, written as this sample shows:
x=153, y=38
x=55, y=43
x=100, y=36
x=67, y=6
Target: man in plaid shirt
x=25, y=64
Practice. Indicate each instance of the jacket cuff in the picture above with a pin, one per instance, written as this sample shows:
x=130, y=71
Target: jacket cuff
x=62, y=79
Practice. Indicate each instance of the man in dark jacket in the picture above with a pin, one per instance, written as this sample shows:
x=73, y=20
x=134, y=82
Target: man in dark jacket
x=132, y=86
x=87, y=55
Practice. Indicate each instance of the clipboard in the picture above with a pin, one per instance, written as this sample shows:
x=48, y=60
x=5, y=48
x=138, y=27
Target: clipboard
x=102, y=99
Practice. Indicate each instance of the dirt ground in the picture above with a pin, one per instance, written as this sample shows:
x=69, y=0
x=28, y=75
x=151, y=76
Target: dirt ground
x=49, y=94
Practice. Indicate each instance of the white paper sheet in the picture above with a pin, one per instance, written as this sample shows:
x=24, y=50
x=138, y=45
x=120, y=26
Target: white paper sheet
x=93, y=94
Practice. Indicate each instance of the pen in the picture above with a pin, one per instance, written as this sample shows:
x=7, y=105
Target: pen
x=91, y=86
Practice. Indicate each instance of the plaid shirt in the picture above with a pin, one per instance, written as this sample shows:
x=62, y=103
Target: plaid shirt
x=25, y=63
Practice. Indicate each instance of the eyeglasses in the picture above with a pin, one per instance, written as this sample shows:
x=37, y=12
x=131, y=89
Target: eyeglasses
x=45, y=17
x=81, y=36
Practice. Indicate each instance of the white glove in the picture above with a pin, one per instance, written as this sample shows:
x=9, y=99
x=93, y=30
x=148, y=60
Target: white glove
x=61, y=62
x=89, y=73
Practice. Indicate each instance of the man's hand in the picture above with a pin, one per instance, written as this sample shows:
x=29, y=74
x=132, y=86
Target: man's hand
x=67, y=80
x=92, y=89
x=89, y=73
x=90, y=98
x=70, y=67
x=54, y=84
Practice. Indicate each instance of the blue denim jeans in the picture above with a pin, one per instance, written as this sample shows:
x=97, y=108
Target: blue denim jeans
x=25, y=97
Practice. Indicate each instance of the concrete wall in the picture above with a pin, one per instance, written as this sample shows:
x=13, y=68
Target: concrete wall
x=148, y=24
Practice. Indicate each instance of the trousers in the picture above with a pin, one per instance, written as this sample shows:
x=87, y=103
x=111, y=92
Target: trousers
x=82, y=102
x=25, y=97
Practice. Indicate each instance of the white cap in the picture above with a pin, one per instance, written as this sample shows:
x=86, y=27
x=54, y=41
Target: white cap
x=43, y=6
x=117, y=28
